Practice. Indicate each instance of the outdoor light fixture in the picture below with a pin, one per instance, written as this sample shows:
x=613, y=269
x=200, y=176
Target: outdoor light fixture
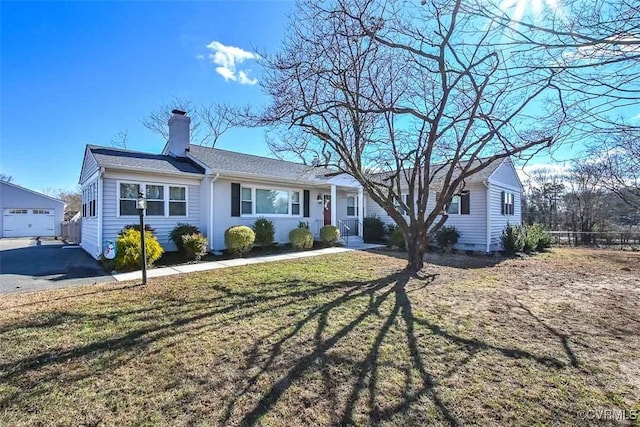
x=319, y=198
x=142, y=205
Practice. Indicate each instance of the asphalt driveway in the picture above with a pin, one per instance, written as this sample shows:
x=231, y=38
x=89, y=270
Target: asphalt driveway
x=31, y=265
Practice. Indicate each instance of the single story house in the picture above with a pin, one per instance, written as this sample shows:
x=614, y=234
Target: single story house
x=27, y=213
x=216, y=189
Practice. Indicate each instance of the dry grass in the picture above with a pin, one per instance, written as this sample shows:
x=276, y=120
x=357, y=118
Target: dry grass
x=343, y=339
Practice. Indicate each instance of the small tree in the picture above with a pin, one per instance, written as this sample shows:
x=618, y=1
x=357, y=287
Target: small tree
x=265, y=231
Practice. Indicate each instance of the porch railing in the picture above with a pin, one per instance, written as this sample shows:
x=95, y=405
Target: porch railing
x=344, y=231
x=354, y=226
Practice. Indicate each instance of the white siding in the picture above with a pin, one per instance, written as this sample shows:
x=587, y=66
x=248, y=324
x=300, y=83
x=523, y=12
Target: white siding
x=505, y=175
x=112, y=224
x=89, y=166
x=222, y=218
x=472, y=227
x=90, y=237
x=498, y=220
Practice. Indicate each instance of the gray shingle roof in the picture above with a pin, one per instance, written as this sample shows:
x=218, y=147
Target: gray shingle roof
x=240, y=163
x=480, y=176
x=109, y=157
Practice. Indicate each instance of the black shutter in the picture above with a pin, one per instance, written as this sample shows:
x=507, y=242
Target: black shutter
x=513, y=204
x=235, y=199
x=305, y=202
x=502, y=203
x=464, y=203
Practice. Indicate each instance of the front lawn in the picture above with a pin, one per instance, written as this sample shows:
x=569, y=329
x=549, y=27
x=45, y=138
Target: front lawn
x=341, y=339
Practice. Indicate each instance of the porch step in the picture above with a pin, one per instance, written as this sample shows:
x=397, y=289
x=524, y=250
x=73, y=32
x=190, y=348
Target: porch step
x=352, y=241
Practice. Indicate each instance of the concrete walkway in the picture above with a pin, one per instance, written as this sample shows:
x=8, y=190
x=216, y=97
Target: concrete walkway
x=204, y=266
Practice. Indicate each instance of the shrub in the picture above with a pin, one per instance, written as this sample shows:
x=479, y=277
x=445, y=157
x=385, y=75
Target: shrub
x=512, y=239
x=181, y=230
x=373, y=230
x=329, y=234
x=396, y=239
x=129, y=252
x=536, y=238
x=544, y=241
x=530, y=238
x=447, y=237
x=147, y=227
x=194, y=246
x=301, y=238
x=264, y=230
x=239, y=239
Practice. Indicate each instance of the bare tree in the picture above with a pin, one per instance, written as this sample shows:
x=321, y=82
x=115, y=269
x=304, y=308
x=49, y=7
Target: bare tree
x=120, y=139
x=208, y=123
x=5, y=177
x=73, y=199
x=594, y=45
x=544, y=190
x=619, y=162
x=586, y=200
x=407, y=98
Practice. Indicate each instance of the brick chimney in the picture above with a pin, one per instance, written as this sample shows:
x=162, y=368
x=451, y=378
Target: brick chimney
x=179, y=129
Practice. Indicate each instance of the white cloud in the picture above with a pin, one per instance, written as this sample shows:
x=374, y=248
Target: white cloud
x=228, y=58
x=200, y=57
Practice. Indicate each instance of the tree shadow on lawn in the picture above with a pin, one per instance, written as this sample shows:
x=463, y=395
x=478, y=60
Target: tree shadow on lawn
x=454, y=260
x=357, y=306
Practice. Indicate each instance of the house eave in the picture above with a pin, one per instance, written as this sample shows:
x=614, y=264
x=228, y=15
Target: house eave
x=198, y=176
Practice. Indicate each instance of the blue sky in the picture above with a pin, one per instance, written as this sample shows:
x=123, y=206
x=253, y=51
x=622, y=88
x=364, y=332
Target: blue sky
x=79, y=72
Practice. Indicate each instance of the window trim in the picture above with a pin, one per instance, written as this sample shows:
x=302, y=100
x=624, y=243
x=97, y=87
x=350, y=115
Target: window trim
x=143, y=190
x=90, y=200
x=169, y=201
x=254, y=203
x=508, y=206
x=163, y=200
x=355, y=205
x=459, y=212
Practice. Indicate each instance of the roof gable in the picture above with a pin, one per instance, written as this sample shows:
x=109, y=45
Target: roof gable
x=506, y=174
x=31, y=191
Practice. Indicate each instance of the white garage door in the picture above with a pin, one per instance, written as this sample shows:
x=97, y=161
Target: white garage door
x=28, y=223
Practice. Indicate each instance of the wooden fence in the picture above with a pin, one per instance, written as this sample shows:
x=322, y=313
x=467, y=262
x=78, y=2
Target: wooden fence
x=602, y=239
x=71, y=231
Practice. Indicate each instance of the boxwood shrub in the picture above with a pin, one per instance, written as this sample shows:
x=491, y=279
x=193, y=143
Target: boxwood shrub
x=329, y=234
x=239, y=239
x=301, y=238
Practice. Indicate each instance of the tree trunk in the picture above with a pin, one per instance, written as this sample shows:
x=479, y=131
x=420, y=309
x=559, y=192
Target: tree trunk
x=416, y=248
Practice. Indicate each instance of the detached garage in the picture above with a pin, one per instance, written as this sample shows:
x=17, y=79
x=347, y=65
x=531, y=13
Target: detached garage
x=26, y=213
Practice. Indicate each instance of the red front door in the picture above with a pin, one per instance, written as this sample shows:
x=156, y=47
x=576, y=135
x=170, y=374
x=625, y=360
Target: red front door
x=327, y=210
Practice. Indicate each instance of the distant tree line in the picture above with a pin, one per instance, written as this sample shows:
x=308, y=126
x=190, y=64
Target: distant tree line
x=589, y=197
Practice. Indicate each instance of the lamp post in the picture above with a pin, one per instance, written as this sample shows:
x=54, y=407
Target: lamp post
x=142, y=205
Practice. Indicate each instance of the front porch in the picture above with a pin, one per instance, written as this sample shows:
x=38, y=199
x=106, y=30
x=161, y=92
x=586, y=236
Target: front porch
x=342, y=205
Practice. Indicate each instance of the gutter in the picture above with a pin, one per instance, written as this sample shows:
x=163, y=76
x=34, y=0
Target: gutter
x=211, y=211
x=488, y=220
x=100, y=208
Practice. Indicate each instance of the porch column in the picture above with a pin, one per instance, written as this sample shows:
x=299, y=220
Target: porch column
x=360, y=211
x=334, y=204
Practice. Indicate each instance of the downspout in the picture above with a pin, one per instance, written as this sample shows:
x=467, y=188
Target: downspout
x=211, y=211
x=488, y=221
x=100, y=208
